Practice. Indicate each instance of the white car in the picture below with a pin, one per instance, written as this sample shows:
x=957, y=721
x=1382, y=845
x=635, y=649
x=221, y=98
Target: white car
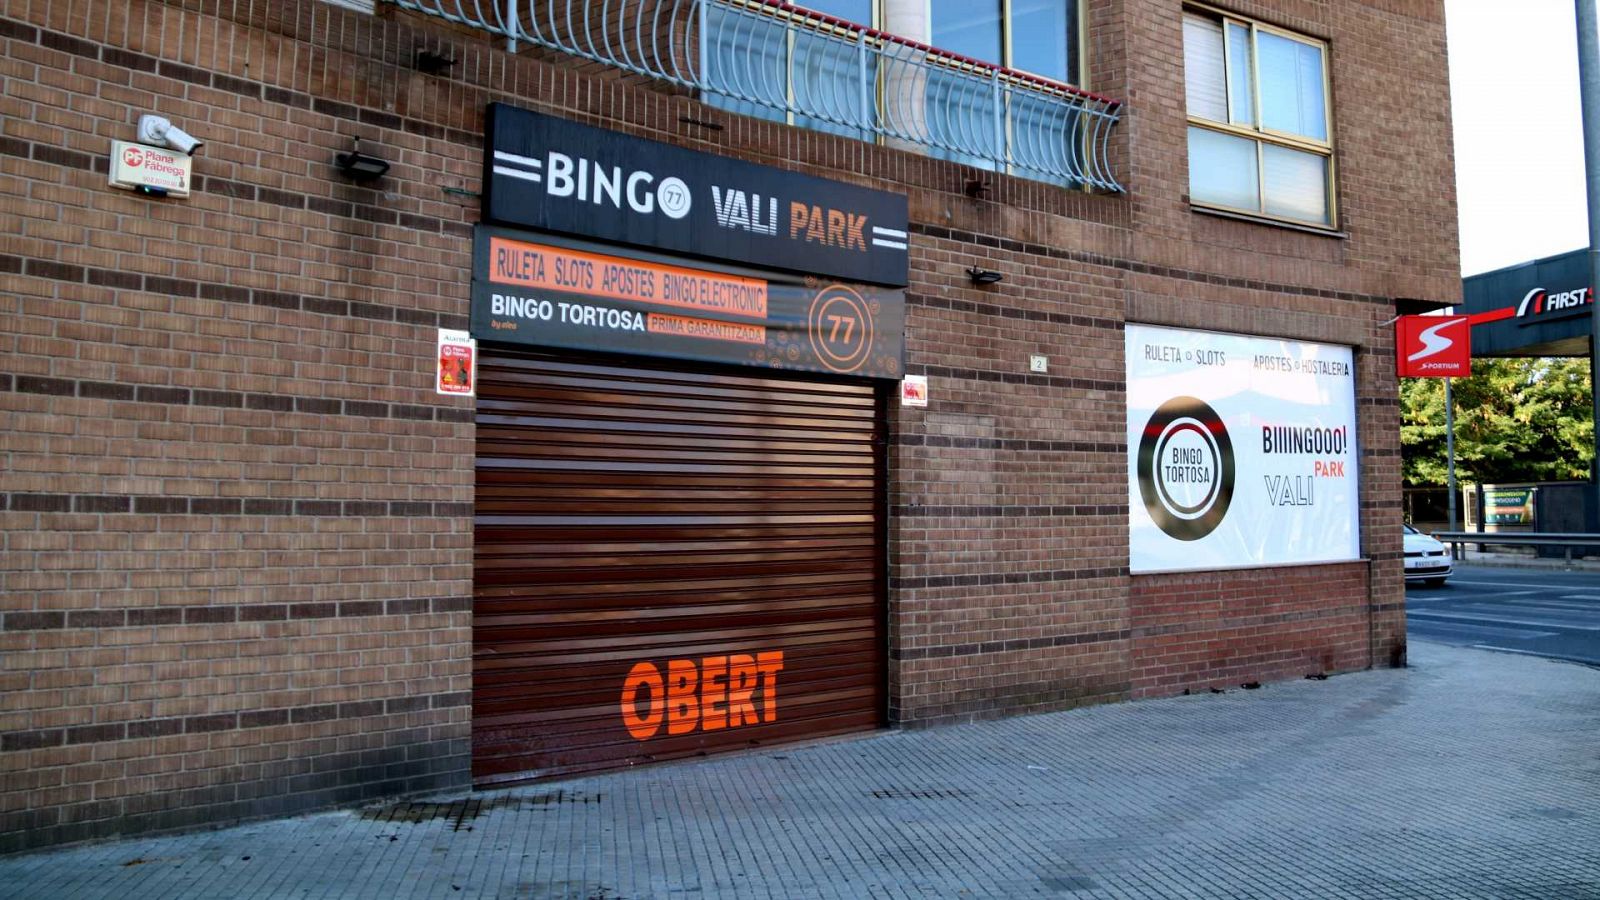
x=1427, y=560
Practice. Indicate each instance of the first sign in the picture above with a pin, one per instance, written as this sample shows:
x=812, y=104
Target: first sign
x=151, y=170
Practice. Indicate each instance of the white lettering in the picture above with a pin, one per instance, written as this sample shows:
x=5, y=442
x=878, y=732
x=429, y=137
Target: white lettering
x=771, y=225
x=641, y=203
x=608, y=187
x=732, y=213
x=588, y=180
x=520, y=307
x=600, y=317
x=559, y=178
x=735, y=210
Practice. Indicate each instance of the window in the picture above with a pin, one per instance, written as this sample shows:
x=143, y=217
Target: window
x=1039, y=37
x=843, y=79
x=1259, y=136
x=1035, y=36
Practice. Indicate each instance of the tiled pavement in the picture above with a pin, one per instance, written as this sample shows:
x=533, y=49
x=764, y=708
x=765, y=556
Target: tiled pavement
x=1472, y=774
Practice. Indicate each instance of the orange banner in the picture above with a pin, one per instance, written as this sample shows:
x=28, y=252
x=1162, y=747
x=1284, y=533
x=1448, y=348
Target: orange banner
x=616, y=278
x=684, y=326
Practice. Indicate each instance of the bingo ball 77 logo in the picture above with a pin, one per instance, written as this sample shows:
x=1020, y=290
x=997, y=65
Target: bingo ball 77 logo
x=1186, y=468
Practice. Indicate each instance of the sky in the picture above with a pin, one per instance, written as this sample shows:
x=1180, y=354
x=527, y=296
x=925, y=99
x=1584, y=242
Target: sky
x=1518, y=131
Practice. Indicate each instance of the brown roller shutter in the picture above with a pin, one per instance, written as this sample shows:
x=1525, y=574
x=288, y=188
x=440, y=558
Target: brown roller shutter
x=704, y=526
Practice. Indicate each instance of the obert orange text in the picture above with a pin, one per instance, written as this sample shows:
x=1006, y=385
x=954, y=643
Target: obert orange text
x=717, y=692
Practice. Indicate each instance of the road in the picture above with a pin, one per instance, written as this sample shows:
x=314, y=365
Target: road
x=1540, y=612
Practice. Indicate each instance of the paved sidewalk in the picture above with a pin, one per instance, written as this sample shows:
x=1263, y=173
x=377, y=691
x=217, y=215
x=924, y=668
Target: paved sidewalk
x=1472, y=774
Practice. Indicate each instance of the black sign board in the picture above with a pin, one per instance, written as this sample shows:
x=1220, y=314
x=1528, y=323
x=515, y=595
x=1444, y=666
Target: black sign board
x=553, y=175
x=559, y=292
x=1538, y=308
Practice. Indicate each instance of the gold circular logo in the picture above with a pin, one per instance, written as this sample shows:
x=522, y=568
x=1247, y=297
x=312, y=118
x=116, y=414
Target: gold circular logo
x=840, y=326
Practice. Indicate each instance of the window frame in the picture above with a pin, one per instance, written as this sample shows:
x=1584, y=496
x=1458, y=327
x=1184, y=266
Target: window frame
x=1079, y=59
x=1257, y=132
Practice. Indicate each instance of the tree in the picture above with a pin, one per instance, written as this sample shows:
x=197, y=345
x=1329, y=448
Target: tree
x=1517, y=419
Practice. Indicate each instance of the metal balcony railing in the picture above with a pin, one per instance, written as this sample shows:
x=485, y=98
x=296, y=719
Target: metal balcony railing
x=769, y=59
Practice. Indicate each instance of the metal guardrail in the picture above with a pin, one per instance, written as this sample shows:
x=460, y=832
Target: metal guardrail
x=767, y=58
x=1565, y=539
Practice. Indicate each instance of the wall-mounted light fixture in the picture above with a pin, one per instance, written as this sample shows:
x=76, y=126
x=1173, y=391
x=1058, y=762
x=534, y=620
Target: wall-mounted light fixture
x=984, y=276
x=358, y=166
x=160, y=132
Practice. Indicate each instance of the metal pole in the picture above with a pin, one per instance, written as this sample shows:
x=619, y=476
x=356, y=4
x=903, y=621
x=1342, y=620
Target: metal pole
x=1450, y=449
x=863, y=114
x=999, y=125
x=1589, y=91
x=1591, y=509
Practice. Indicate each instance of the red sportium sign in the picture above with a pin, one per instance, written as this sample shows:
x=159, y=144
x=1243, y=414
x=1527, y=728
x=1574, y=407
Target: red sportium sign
x=1433, y=347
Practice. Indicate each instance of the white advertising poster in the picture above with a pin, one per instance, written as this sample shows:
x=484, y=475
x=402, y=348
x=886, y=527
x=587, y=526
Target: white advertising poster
x=1241, y=451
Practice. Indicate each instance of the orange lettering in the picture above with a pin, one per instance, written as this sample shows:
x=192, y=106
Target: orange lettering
x=714, y=693
x=853, y=235
x=642, y=675
x=769, y=664
x=836, y=227
x=683, y=705
x=741, y=684
x=815, y=225
x=538, y=267
x=797, y=218
x=710, y=694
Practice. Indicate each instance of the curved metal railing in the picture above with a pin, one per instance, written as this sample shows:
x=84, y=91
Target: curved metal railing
x=769, y=59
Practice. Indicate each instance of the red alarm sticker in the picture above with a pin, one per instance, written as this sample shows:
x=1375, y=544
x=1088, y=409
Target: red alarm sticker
x=457, y=362
x=914, y=390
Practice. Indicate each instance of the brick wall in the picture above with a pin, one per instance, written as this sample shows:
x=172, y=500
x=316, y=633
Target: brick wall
x=1222, y=629
x=237, y=522
x=1010, y=587
x=237, y=564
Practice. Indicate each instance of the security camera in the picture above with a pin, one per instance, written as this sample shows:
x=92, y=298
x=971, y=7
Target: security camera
x=156, y=130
